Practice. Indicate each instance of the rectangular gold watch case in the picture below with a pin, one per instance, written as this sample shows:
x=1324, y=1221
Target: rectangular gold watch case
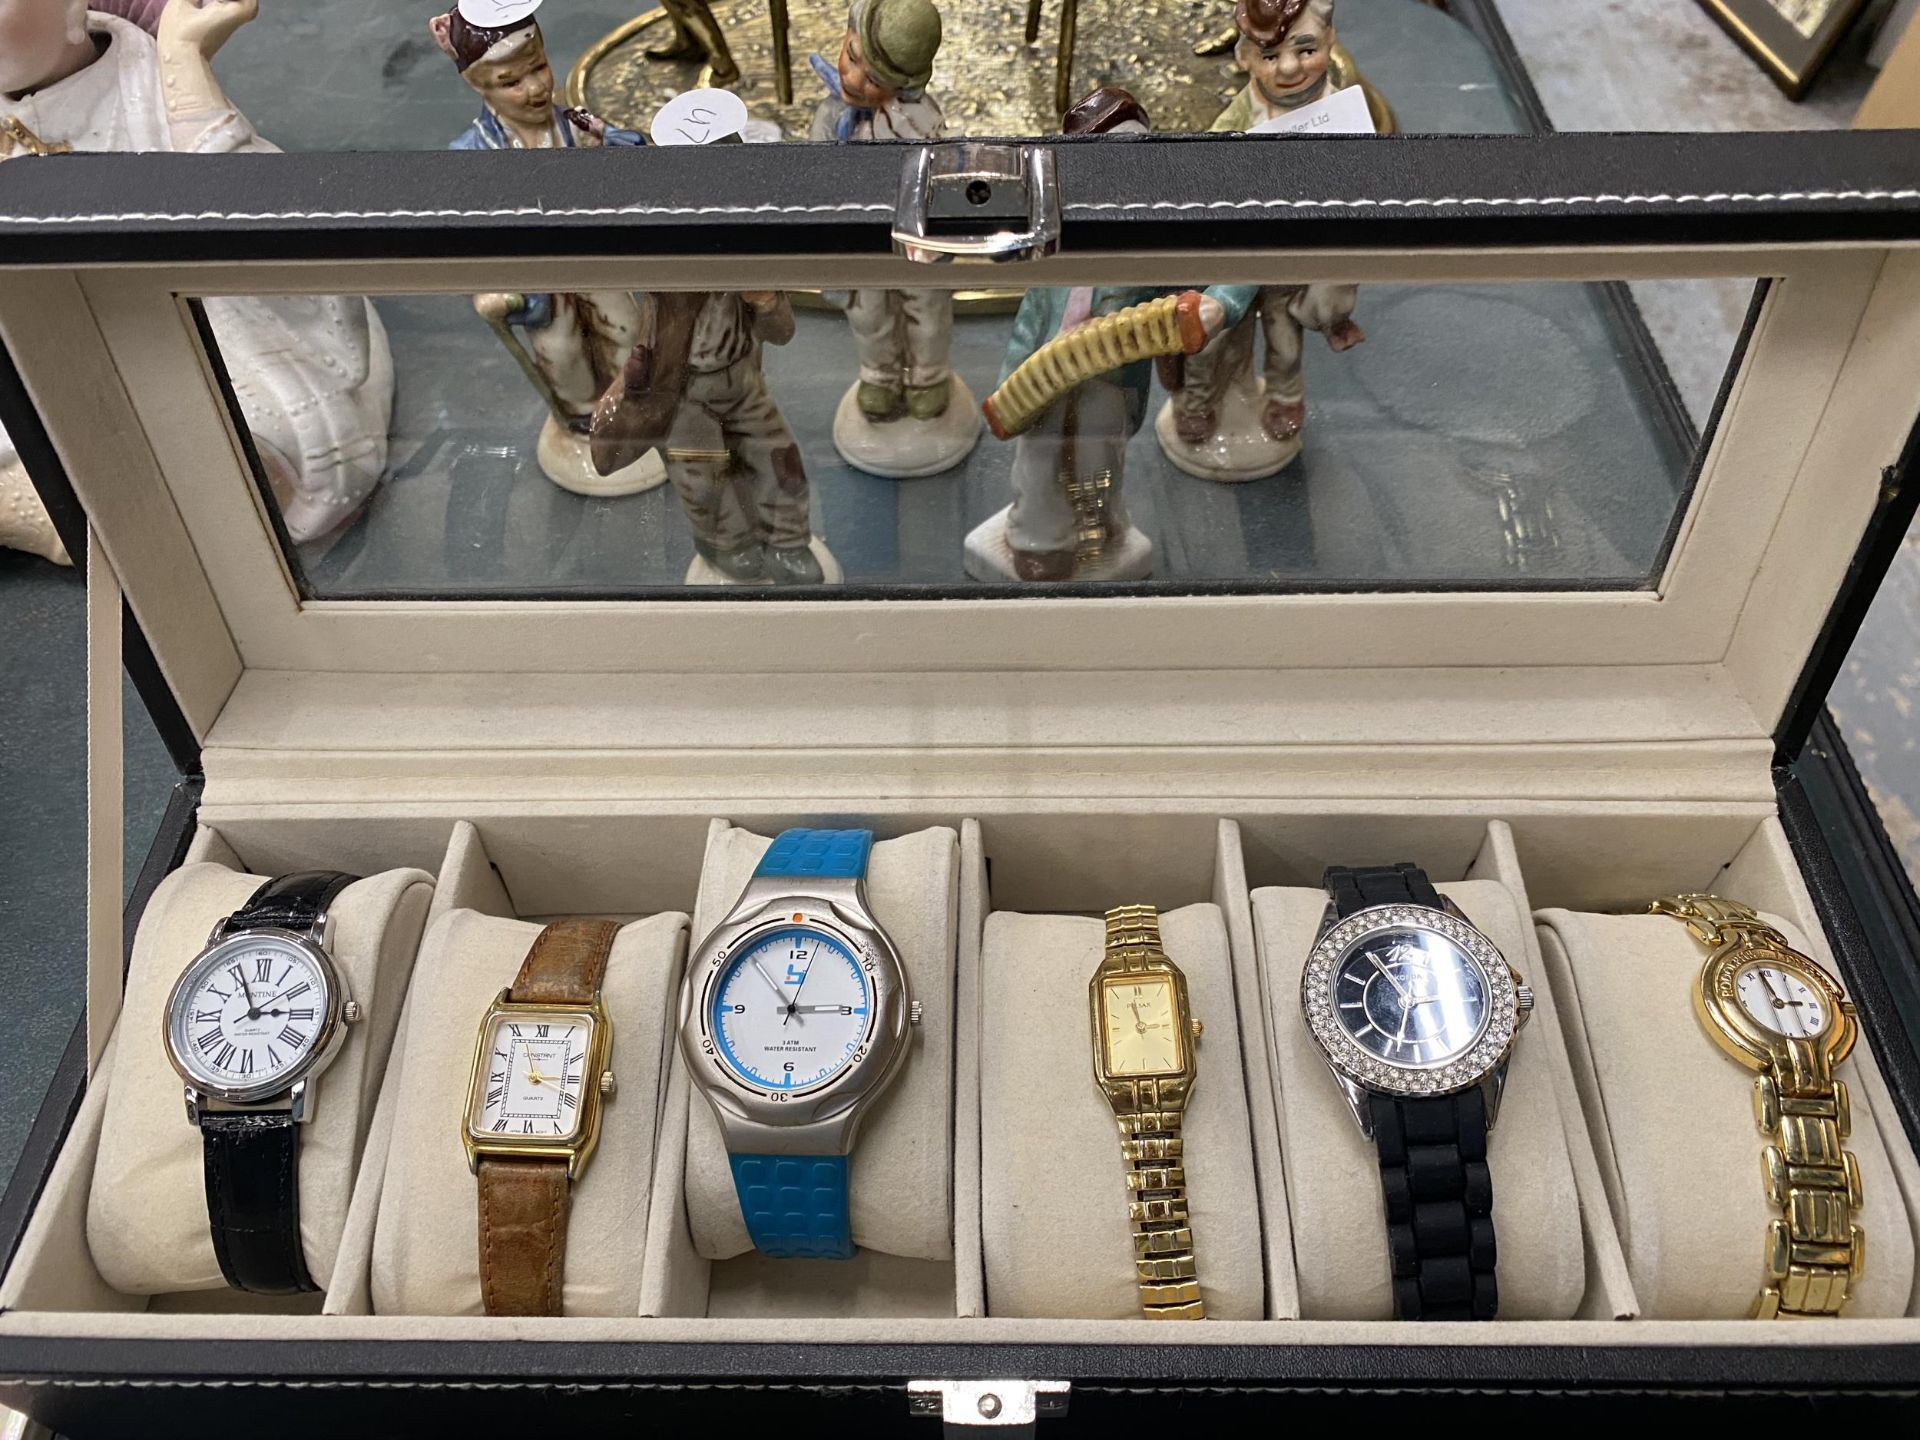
x=1123, y=1094
x=579, y=1147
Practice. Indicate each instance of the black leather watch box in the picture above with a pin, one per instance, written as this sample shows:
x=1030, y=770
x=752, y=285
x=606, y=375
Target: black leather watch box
x=1619, y=654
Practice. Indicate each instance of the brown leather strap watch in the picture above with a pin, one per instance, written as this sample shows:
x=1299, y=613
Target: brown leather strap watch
x=540, y=1076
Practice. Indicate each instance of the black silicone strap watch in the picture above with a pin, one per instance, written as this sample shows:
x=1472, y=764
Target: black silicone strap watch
x=251, y=1156
x=1433, y=1156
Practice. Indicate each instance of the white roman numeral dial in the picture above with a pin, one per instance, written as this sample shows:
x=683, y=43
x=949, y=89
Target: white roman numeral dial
x=531, y=1078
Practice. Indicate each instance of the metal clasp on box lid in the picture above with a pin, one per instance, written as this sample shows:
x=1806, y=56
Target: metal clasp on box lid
x=978, y=205
x=964, y=1406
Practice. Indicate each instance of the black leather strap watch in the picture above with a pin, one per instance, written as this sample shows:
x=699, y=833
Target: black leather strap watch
x=251, y=1024
x=1415, y=1011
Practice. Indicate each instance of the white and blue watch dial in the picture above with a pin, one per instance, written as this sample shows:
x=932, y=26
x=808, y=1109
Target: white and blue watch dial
x=792, y=1008
x=794, y=1018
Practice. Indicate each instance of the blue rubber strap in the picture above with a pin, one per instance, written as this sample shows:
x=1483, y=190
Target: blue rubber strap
x=795, y=1206
x=802, y=853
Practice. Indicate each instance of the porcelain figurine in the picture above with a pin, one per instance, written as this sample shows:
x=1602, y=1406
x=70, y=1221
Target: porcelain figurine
x=1235, y=415
x=24, y=522
x=693, y=387
x=569, y=345
x=312, y=373
x=907, y=414
x=1069, y=518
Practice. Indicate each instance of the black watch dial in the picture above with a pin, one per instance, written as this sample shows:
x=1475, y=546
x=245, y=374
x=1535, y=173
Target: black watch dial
x=1411, y=996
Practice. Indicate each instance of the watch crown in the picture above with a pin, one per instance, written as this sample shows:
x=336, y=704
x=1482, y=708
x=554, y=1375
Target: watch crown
x=608, y=1084
x=914, y=1013
x=1523, y=1001
x=351, y=1012
x=1199, y=1027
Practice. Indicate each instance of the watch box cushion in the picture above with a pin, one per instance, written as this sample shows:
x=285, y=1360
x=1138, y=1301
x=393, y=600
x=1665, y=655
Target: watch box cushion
x=1056, y=1237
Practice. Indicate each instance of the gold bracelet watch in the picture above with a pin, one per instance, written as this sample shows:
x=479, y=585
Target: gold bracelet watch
x=1143, y=1060
x=1778, y=1012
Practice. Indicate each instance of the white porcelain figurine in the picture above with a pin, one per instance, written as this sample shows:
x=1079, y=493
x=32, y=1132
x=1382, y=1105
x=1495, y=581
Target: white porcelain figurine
x=312, y=373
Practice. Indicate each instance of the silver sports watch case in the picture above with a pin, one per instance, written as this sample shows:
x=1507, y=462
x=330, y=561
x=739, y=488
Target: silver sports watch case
x=292, y=1090
x=822, y=1119
x=1361, y=1073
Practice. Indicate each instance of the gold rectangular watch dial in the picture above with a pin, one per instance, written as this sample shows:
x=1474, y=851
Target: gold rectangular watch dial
x=1142, y=1032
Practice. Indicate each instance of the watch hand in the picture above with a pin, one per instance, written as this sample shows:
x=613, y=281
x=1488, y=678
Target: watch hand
x=818, y=1009
x=1779, y=999
x=253, y=1010
x=785, y=1003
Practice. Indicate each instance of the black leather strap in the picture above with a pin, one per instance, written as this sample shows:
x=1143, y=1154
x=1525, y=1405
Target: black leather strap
x=253, y=1185
x=291, y=902
x=1361, y=889
x=253, y=1201
x=1433, y=1156
x=1439, y=1197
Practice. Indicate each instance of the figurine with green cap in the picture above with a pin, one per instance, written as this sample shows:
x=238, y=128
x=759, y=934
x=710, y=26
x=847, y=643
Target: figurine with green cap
x=900, y=419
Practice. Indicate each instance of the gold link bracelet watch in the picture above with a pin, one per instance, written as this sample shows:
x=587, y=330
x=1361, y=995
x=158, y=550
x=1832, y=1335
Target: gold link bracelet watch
x=1776, y=1011
x=1143, y=1060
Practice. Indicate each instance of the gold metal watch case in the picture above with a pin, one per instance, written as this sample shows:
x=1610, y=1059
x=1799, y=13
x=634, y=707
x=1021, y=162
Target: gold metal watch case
x=1149, y=1108
x=1123, y=1091
x=576, y=1148
x=1726, y=1021
x=1814, y=1250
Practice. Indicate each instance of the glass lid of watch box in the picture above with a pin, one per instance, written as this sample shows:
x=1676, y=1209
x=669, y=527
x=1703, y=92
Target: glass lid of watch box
x=1186, y=436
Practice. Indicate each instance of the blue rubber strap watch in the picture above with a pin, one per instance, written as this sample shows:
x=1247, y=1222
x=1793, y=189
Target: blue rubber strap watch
x=796, y=1206
x=816, y=854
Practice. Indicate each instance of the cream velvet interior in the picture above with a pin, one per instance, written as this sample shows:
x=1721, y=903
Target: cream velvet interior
x=1057, y=1239
x=901, y=1177
x=1672, y=1116
x=1333, y=1174
x=1046, y=858
x=147, y=1215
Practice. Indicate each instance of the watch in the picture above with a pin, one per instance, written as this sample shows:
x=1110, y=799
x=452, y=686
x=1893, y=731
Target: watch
x=540, y=1075
x=1144, y=1037
x=250, y=1025
x=1416, y=1012
x=1779, y=1013
x=794, y=1019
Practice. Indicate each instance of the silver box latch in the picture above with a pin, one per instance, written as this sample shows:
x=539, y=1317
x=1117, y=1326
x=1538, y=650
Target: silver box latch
x=978, y=205
x=1014, y=1406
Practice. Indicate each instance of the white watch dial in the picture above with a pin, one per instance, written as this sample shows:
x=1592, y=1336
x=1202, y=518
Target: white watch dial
x=248, y=1014
x=1780, y=1001
x=532, y=1078
x=791, y=1009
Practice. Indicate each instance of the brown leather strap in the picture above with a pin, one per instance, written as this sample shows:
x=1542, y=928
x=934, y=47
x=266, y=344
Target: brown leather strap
x=566, y=964
x=523, y=1234
x=524, y=1202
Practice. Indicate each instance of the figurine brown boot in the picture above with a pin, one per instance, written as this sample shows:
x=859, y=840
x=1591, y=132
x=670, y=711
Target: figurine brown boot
x=745, y=563
x=1196, y=427
x=1042, y=564
x=929, y=402
x=1283, y=419
x=794, y=565
x=881, y=403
